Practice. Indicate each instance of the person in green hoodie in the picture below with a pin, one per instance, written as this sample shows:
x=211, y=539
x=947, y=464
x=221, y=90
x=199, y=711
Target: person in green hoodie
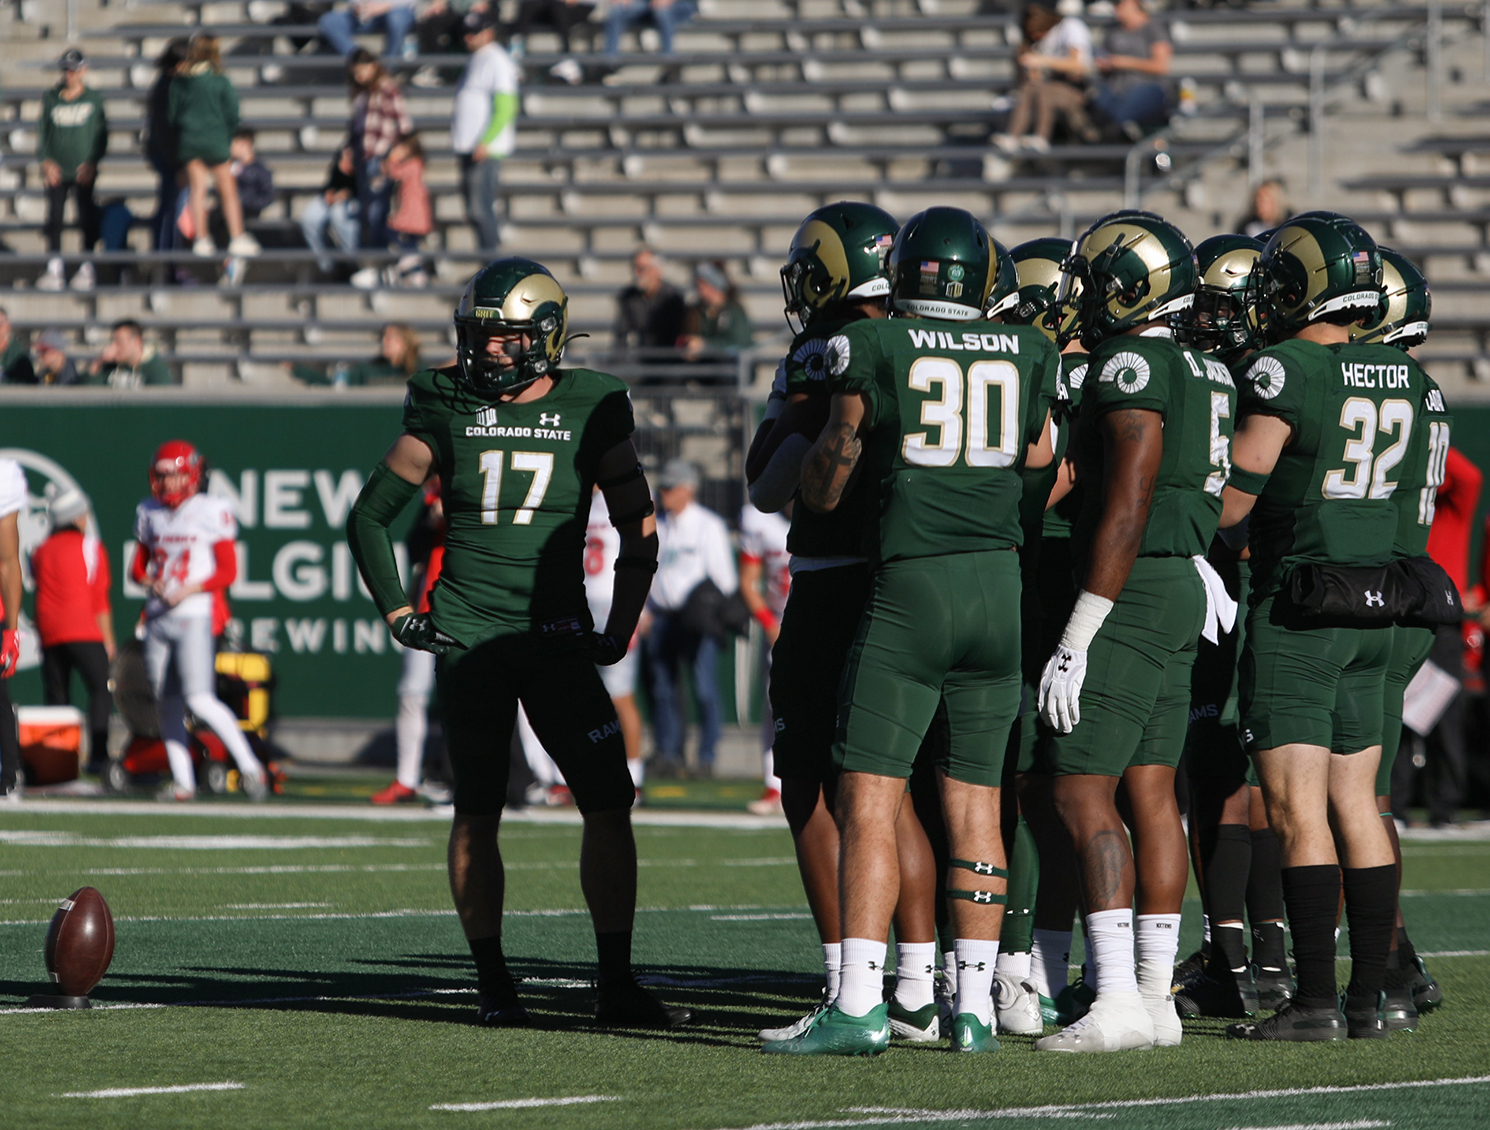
x=204, y=113
x=72, y=136
x=398, y=361
x=128, y=362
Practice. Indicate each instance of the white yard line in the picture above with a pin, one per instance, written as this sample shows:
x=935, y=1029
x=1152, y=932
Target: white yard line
x=1361, y=1124
x=524, y=1104
x=130, y=1092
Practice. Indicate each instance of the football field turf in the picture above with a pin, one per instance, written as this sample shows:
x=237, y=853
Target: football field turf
x=291, y=966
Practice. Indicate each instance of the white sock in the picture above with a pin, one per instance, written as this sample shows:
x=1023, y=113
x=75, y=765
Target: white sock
x=915, y=964
x=976, y=961
x=209, y=709
x=949, y=972
x=638, y=770
x=410, y=729
x=768, y=770
x=1051, y=961
x=862, y=976
x=182, y=770
x=1017, y=965
x=1158, y=937
x=832, y=963
x=1109, y=937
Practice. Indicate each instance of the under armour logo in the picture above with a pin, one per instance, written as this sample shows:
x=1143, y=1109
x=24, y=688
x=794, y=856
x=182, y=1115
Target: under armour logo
x=982, y=896
x=976, y=966
x=1065, y=663
x=875, y=965
x=1375, y=599
x=548, y=421
x=983, y=868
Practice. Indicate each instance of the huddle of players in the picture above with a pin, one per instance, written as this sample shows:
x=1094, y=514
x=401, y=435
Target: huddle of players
x=1123, y=438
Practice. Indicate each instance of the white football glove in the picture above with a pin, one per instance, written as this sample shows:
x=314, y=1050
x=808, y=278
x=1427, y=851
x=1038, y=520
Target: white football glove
x=1060, y=688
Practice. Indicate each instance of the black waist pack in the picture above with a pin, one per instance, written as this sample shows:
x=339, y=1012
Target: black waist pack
x=1414, y=591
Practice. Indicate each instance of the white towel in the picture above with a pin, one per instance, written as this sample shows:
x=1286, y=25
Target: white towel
x=1220, y=609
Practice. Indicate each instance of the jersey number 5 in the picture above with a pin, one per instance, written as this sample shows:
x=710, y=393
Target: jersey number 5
x=1368, y=477
x=539, y=463
x=946, y=414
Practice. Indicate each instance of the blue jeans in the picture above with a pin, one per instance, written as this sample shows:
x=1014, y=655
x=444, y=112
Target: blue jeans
x=478, y=184
x=622, y=17
x=1147, y=104
x=373, y=198
x=341, y=220
x=669, y=645
x=338, y=27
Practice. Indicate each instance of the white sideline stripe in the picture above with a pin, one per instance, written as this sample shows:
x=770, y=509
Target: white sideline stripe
x=314, y=868
x=1455, y=953
x=900, y=1114
x=523, y=1104
x=129, y=1092
x=755, y=917
x=411, y=912
x=275, y=905
x=202, y=843
x=1360, y=1124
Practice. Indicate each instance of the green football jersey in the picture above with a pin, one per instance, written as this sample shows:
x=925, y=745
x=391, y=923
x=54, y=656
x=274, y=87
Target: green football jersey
x=1197, y=398
x=1062, y=516
x=951, y=410
x=516, y=481
x=841, y=532
x=1037, y=481
x=1353, y=410
x=1423, y=470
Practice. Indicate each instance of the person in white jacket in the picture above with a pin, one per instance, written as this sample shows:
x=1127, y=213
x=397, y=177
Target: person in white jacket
x=483, y=128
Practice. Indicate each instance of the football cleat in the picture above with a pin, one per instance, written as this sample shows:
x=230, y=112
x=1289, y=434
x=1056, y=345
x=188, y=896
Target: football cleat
x=255, y=785
x=796, y=1027
x=1275, y=987
x=628, y=1005
x=767, y=804
x=1188, y=968
x=1399, y=1011
x=1293, y=1022
x=1167, y=1029
x=1069, y=1005
x=396, y=793
x=1364, y=1016
x=834, y=1032
x=969, y=1034
x=919, y=1026
x=1230, y=995
x=1114, y=1023
x=1016, y=1003
x=1425, y=991
x=501, y=1012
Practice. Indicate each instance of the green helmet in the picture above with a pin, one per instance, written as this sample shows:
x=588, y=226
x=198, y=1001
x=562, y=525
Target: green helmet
x=838, y=254
x=1316, y=265
x=1005, y=293
x=943, y=265
x=1409, y=305
x=1223, y=319
x=1134, y=267
x=510, y=296
x=1037, y=265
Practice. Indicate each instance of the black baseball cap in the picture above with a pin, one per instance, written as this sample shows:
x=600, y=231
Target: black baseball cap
x=72, y=60
x=474, y=23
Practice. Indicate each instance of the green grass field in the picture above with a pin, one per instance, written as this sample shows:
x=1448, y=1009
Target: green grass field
x=305, y=963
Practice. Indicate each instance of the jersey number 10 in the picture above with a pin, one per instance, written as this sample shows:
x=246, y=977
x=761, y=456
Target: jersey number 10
x=946, y=414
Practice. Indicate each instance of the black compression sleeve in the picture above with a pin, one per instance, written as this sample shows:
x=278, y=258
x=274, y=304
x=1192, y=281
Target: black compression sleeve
x=381, y=501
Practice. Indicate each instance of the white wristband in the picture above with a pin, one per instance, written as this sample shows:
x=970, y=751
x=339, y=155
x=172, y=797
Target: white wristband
x=1086, y=619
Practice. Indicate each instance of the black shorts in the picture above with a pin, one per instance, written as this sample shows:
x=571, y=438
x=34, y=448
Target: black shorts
x=567, y=704
x=817, y=629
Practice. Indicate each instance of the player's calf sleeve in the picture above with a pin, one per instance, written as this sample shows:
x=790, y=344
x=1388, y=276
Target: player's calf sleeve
x=1264, y=886
x=1226, y=867
x=1371, y=903
x=613, y=955
x=492, y=977
x=1312, y=895
x=1018, y=933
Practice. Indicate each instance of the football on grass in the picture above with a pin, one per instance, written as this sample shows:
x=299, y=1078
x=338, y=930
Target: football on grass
x=80, y=943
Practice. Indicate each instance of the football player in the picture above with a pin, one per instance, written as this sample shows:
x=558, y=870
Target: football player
x=185, y=556
x=835, y=275
x=1319, y=438
x=13, y=494
x=1151, y=449
x=518, y=443
x=1234, y=850
x=1404, y=326
x=940, y=409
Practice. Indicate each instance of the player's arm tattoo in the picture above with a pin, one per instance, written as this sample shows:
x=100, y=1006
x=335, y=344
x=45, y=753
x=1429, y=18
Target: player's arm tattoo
x=1133, y=445
x=828, y=468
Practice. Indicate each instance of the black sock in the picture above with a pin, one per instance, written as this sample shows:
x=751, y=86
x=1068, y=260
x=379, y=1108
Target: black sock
x=614, y=953
x=1371, y=905
x=492, y=977
x=1264, y=888
x=1228, y=858
x=1402, y=968
x=1407, y=955
x=1269, y=950
x=1312, y=895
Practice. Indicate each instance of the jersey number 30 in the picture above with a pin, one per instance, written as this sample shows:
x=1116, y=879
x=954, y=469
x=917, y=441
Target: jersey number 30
x=540, y=464
x=985, y=446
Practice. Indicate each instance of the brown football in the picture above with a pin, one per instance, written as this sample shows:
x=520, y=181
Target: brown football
x=80, y=942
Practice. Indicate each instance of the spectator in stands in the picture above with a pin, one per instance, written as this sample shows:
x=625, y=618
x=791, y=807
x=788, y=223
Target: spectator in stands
x=160, y=146
x=1054, y=62
x=561, y=15
x=50, y=360
x=255, y=181
x=15, y=358
x=441, y=31
x=335, y=212
x=650, y=313
x=1134, y=62
x=398, y=361
x=1269, y=209
x=380, y=116
x=667, y=16
x=70, y=570
x=694, y=554
x=393, y=18
x=410, y=217
x=483, y=129
x=128, y=362
x=717, y=321
x=72, y=135
x=204, y=114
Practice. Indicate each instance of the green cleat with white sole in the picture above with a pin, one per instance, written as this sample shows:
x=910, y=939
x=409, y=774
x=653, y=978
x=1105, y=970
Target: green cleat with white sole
x=837, y=1033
